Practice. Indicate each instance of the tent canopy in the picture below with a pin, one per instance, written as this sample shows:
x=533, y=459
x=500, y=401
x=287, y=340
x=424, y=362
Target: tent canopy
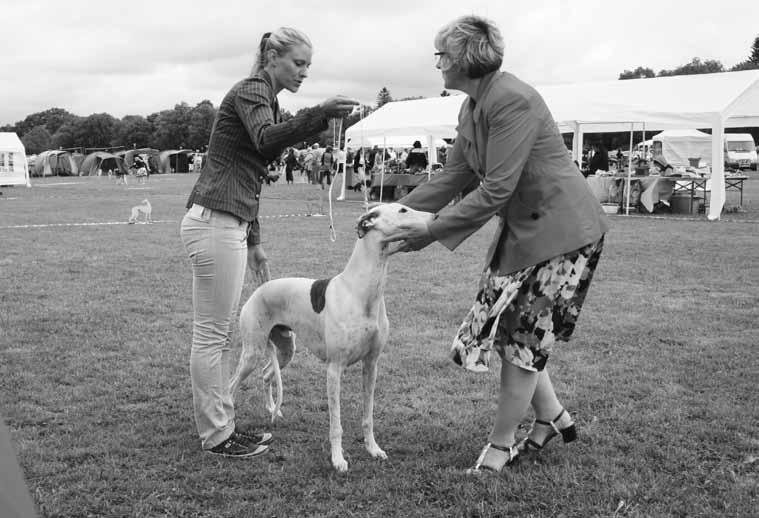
x=55, y=163
x=14, y=169
x=676, y=102
x=174, y=161
x=679, y=146
x=100, y=160
x=716, y=101
x=150, y=155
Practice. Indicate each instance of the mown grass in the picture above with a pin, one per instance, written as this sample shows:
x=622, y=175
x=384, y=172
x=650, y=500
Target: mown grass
x=95, y=325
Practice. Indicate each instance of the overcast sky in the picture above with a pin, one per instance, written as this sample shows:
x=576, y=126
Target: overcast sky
x=138, y=57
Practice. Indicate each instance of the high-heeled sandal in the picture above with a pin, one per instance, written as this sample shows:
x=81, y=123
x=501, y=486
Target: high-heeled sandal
x=478, y=468
x=568, y=434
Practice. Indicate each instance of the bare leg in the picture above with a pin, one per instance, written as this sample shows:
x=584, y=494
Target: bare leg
x=370, y=380
x=334, y=373
x=517, y=389
x=547, y=406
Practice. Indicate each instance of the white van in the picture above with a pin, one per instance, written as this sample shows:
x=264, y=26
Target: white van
x=740, y=151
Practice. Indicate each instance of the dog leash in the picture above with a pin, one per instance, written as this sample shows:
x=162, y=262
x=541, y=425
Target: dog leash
x=337, y=128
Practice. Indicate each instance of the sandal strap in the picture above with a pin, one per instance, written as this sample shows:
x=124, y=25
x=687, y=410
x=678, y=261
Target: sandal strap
x=511, y=450
x=552, y=423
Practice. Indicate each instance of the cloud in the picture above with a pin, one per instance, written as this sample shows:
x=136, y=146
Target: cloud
x=146, y=56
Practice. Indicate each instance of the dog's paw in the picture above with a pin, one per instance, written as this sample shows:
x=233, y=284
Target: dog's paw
x=340, y=464
x=377, y=452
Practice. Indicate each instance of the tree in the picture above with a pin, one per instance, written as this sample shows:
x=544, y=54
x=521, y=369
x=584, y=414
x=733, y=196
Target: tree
x=95, y=131
x=200, y=124
x=754, y=58
x=696, y=66
x=752, y=63
x=170, y=127
x=36, y=140
x=66, y=136
x=638, y=73
x=132, y=131
x=52, y=119
x=383, y=97
x=444, y=93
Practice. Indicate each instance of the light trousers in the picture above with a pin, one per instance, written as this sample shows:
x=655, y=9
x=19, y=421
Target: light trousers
x=217, y=245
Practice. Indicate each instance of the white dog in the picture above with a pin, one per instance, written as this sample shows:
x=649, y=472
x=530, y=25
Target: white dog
x=342, y=320
x=143, y=209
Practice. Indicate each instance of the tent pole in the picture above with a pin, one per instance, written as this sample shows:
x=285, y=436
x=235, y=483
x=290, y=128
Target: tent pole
x=717, y=201
x=629, y=169
x=382, y=167
x=577, y=144
x=645, y=153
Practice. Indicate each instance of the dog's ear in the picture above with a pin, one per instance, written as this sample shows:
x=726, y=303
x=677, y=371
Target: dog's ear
x=365, y=223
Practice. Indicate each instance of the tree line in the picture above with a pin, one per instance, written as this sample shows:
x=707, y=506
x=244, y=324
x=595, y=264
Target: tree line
x=181, y=127
x=697, y=66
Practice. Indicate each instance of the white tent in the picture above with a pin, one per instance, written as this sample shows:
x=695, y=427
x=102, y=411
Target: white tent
x=716, y=101
x=679, y=146
x=14, y=169
x=426, y=120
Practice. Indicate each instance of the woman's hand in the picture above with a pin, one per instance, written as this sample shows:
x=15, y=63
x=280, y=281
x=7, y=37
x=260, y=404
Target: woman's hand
x=410, y=237
x=338, y=107
x=258, y=263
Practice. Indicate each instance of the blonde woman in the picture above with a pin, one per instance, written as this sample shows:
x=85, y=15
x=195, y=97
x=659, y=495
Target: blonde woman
x=221, y=227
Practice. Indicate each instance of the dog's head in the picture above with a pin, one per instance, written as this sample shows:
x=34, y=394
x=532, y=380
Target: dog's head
x=387, y=217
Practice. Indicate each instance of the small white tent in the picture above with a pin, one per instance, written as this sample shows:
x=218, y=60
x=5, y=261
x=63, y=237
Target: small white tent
x=14, y=169
x=679, y=146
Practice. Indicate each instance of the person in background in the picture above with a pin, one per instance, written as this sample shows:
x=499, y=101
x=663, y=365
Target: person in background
x=142, y=172
x=326, y=166
x=362, y=178
x=416, y=160
x=290, y=162
x=620, y=159
x=221, y=227
x=599, y=161
x=315, y=163
x=548, y=242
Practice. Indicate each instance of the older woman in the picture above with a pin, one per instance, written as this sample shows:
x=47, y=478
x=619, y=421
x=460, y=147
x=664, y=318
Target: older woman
x=509, y=152
x=221, y=225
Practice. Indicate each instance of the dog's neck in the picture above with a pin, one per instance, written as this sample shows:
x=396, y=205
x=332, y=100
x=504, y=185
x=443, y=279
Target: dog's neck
x=367, y=267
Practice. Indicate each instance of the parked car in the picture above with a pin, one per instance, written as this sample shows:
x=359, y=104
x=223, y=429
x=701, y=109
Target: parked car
x=740, y=151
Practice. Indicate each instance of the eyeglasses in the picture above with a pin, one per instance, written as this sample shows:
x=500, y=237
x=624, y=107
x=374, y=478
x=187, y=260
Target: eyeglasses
x=438, y=56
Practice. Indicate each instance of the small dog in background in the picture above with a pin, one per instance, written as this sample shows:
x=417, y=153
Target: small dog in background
x=143, y=209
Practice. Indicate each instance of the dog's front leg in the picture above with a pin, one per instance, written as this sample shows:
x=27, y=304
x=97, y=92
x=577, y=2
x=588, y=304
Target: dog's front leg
x=367, y=424
x=334, y=374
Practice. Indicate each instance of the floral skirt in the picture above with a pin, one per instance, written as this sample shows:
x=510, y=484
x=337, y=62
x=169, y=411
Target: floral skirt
x=522, y=314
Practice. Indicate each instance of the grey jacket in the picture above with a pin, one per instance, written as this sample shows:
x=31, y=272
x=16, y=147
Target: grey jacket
x=509, y=144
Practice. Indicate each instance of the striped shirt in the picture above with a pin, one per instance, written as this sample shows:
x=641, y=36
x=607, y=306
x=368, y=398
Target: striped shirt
x=247, y=134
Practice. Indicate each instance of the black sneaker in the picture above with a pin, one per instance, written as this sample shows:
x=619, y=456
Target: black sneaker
x=237, y=446
x=253, y=438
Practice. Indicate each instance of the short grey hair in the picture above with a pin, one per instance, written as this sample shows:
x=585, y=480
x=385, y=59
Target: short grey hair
x=282, y=41
x=474, y=43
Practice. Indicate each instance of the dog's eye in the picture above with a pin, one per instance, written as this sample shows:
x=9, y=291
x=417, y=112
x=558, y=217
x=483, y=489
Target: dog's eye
x=403, y=209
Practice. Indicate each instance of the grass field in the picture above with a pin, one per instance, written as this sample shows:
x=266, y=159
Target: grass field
x=95, y=325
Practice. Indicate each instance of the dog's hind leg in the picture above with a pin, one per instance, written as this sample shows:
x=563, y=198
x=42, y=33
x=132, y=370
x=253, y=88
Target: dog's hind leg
x=246, y=363
x=334, y=375
x=367, y=423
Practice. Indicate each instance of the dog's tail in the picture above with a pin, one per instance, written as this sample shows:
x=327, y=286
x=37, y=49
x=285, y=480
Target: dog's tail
x=272, y=369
